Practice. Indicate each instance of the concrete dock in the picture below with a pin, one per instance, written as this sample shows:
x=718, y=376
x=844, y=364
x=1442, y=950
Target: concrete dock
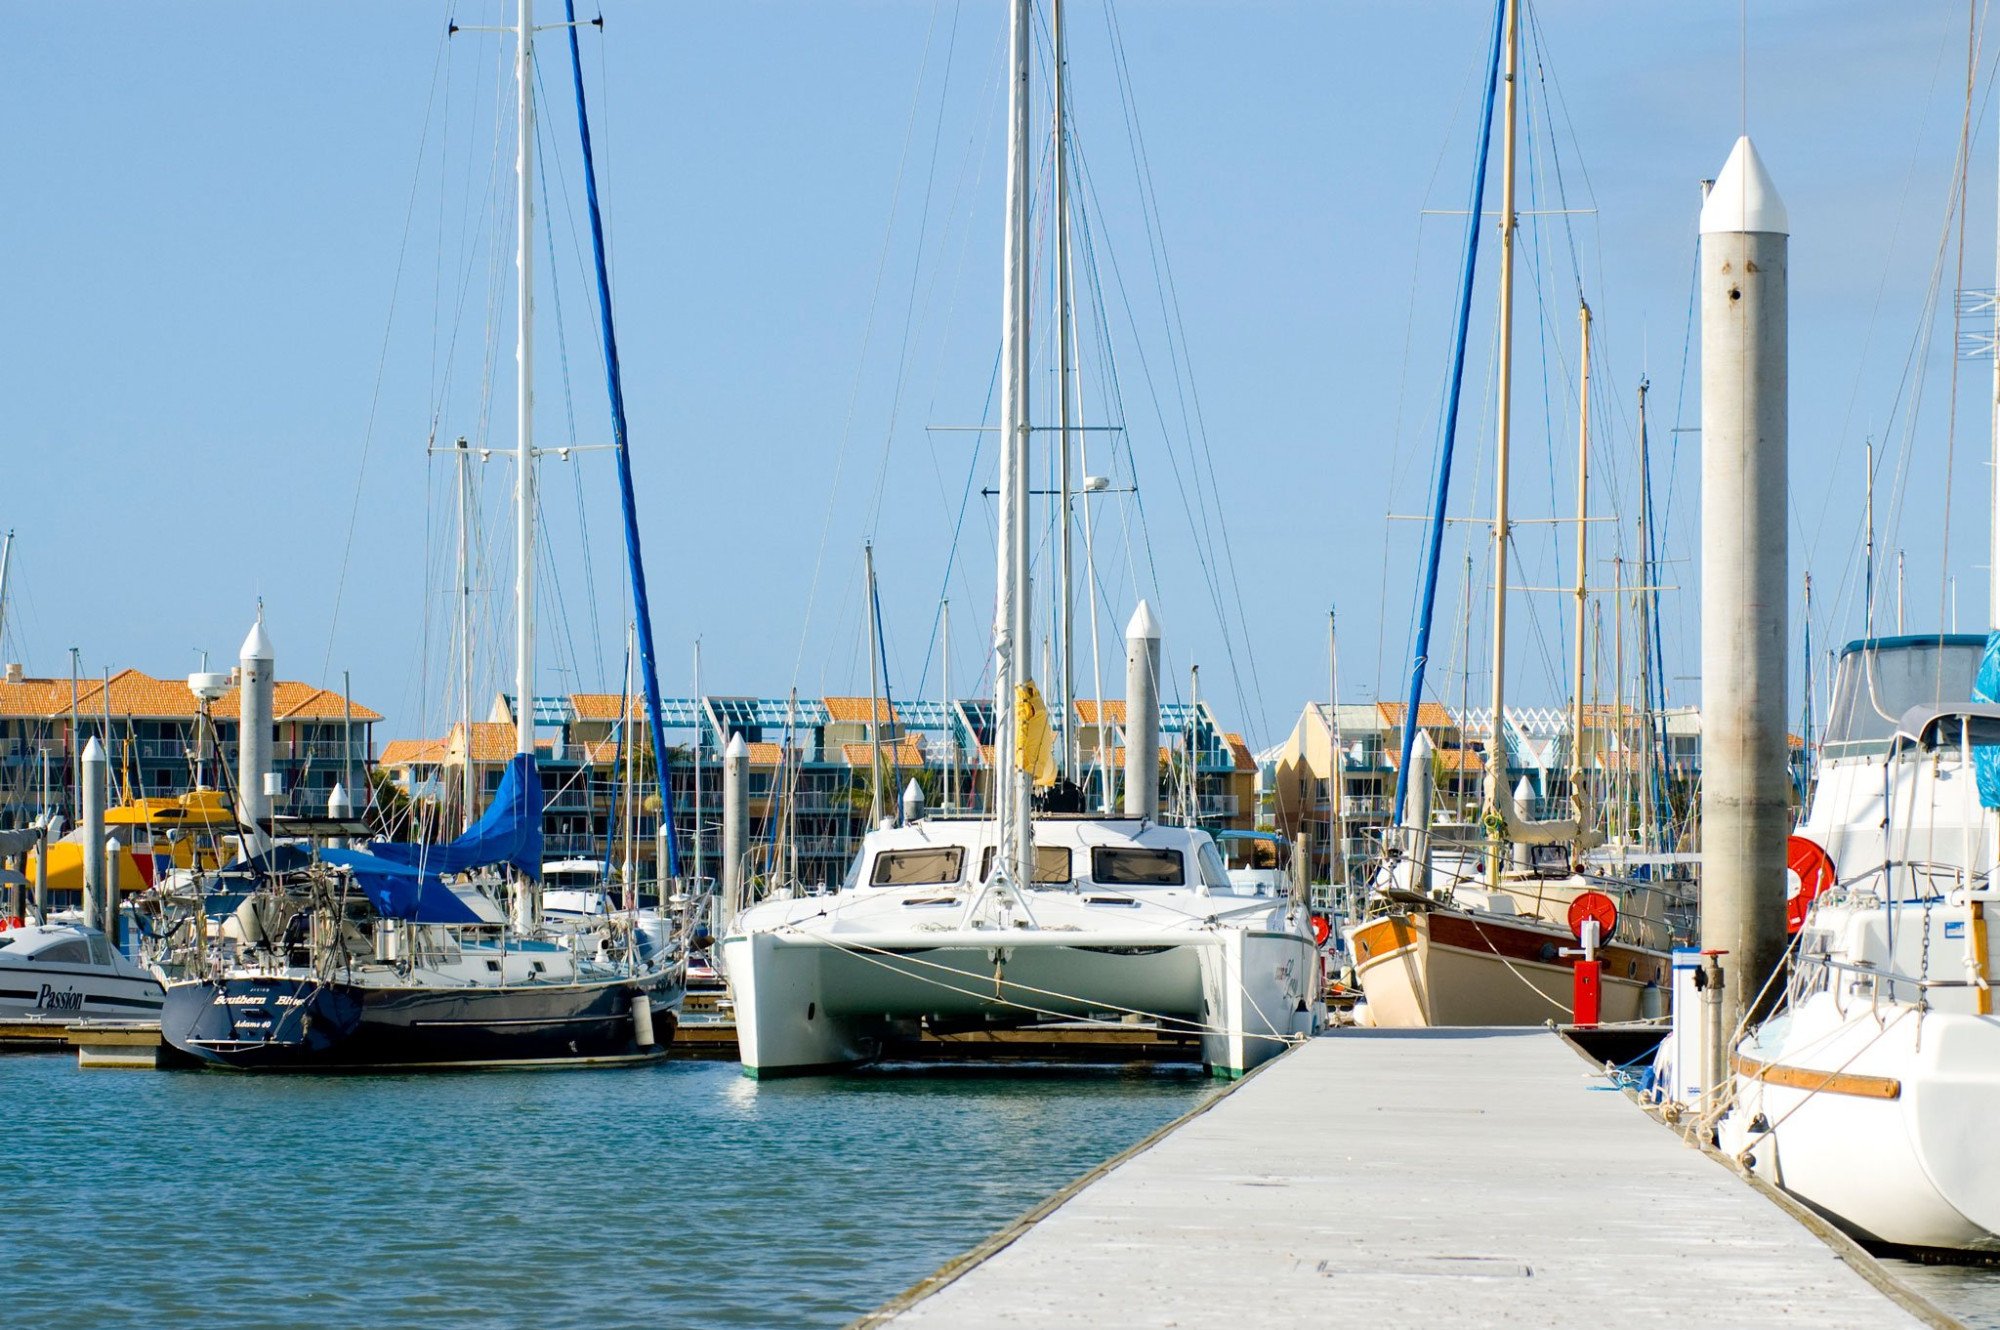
x=1405, y=1178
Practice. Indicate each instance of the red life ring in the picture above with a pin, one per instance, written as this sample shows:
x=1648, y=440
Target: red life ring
x=1593, y=905
x=1322, y=928
x=1810, y=871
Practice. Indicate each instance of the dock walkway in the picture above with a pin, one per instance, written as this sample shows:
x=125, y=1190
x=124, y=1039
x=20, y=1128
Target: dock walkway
x=1404, y=1178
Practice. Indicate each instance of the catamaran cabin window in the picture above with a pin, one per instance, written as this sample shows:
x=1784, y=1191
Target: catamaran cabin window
x=1051, y=865
x=75, y=951
x=918, y=868
x=1214, y=874
x=1136, y=867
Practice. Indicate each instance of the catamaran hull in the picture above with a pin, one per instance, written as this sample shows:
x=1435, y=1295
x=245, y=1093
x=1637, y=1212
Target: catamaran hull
x=291, y=1024
x=1812, y=1087
x=810, y=1003
x=1451, y=968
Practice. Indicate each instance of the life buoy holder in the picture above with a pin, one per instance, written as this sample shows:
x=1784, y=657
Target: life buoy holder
x=1809, y=871
x=1593, y=905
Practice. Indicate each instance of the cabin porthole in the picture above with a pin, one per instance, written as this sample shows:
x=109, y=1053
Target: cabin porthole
x=812, y=1009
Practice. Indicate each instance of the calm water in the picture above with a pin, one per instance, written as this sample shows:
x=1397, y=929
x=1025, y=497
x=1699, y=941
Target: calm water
x=1970, y=1293
x=679, y=1195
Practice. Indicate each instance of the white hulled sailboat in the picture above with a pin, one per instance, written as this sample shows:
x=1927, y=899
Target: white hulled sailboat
x=950, y=923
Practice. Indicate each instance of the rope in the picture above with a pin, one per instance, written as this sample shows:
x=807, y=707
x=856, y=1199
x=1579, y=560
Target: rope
x=858, y=950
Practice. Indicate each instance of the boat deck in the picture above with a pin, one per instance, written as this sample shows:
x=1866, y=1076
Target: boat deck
x=1392, y=1178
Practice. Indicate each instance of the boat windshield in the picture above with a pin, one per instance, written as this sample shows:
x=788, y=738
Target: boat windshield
x=1878, y=679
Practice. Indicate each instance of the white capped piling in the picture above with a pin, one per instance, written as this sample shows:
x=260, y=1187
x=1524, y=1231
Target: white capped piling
x=114, y=858
x=913, y=802
x=1142, y=714
x=339, y=808
x=253, y=731
x=96, y=771
x=1417, y=834
x=735, y=826
x=1744, y=243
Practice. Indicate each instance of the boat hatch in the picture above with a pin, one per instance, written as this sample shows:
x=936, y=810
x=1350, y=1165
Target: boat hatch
x=931, y=866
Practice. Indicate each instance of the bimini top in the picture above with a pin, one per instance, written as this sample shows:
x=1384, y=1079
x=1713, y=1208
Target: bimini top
x=1906, y=641
x=1929, y=728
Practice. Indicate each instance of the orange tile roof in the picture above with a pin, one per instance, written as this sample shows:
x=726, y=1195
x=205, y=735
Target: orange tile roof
x=1114, y=710
x=765, y=754
x=492, y=740
x=1461, y=759
x=1240, y=750
x=905, y=752
x=404, y=752
x=34, y=697
x=602, y=706
x=136, y=693
x=1430, y=715
x=848, y=710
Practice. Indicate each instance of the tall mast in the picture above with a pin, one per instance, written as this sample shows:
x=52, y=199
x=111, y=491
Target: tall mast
x=1336, y=767
x=524, y=388
x=468, y=778
x=1576, y=795
x=700, y=734
x=1648, y=642
x=1868, y=540
x=1497, y=794
x=6, y=560
x=950, y=801
x=1012, y=644
x=874, y=694
x=1060, y=202
x=1993, y=471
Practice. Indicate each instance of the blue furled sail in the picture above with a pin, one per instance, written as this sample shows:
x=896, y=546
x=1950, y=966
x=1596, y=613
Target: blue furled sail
x=407, y=881
x=642, y=611
x=1986, y=757
x=1448, y=430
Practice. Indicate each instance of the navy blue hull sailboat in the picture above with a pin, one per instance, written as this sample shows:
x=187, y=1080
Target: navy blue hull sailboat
x=401, y=955
x=394, y=957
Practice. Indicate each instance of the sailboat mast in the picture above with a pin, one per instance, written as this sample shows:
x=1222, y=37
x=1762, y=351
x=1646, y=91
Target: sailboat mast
x=524, y=388
x=874, y=693
x=1060, y=202
x=6, y=561
x=700, y=734
x=1649, y=703
x=1576, y=796
x=950, y=801
x=1012, y=642
x=1496, y=747
x=1993, y=471
x=468, y=776
x=1336, y=767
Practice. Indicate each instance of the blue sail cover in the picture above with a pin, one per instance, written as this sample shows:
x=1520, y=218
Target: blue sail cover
x=407, y=881
x=1986, y=757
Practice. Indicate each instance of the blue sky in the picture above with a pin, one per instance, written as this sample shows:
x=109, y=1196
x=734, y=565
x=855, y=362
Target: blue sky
x=248, y=254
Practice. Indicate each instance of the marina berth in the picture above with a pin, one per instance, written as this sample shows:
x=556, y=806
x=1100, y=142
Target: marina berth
x=59, y=971
x=1124, y=918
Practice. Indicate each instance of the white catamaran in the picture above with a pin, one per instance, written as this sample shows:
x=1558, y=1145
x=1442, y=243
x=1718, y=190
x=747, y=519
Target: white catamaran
x=956, y=923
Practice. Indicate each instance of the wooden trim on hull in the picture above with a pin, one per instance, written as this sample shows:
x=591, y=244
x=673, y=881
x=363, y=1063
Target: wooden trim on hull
x=1448, y=968
x=1853, y=1084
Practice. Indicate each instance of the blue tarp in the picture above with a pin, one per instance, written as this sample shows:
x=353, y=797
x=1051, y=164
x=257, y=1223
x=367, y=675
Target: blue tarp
x=407, y=881
x=1986, y=757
